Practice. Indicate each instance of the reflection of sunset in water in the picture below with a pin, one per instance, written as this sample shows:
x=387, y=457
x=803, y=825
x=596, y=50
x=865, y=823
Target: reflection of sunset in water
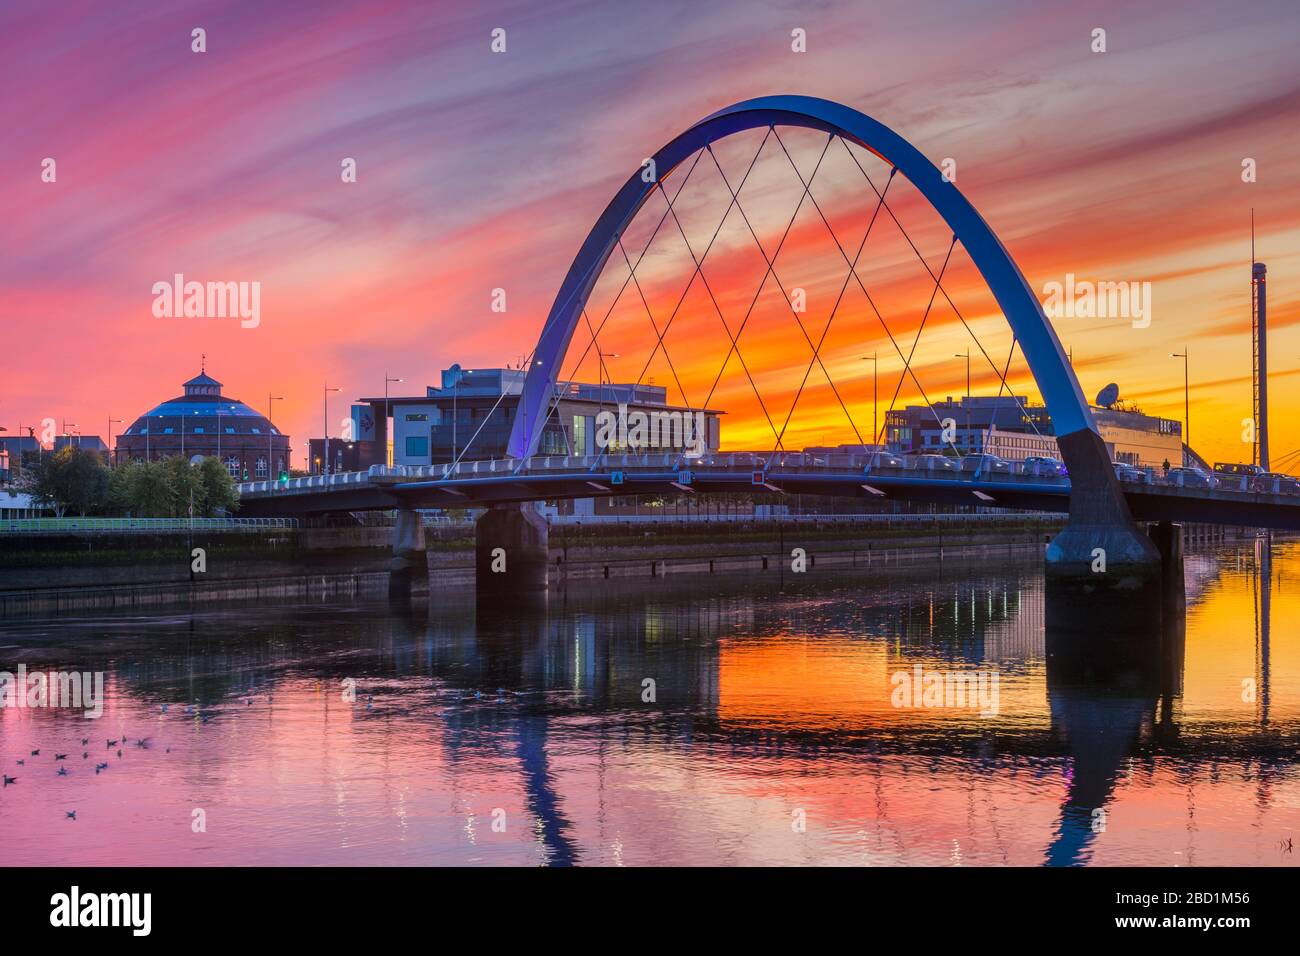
x=1223, y=644
x=819, y=685
x=772, y=738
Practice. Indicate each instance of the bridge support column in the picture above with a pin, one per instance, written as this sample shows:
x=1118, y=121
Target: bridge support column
x=409, y=564
x=511, y=547
x=1168, y=539
x=1101, y=531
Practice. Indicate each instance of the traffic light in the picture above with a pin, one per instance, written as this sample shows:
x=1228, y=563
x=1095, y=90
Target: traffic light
x=284, y=477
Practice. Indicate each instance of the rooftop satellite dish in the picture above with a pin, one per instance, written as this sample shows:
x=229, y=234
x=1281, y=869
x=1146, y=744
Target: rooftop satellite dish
x=1108, y=396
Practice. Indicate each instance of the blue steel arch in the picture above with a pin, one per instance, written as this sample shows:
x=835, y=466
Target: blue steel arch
x=1043, y=353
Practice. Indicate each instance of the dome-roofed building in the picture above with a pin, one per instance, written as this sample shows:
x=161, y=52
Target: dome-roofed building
x=204, y=422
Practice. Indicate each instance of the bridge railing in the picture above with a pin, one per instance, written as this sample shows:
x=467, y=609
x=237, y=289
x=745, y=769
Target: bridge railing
x=866, y=463
x=656, y=461
x=882, y=520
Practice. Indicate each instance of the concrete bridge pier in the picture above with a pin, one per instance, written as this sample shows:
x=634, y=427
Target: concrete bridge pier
x=511, y=548
x=1168, y=539
x=1101, y=533
x=410, y=564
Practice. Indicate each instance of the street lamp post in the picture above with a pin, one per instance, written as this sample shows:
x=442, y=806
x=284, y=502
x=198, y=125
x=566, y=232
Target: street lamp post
x=242, y=450
x=602, y=374
x=875, y=400
x=1187, y=405
x=455, y=397
x=388, y=435
x=110, y=436
x=270, y=431
x=325, y=467
x=966, y=356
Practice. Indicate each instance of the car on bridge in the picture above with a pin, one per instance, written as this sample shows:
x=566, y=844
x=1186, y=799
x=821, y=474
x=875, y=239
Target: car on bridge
x=1229, y=468
x=1238, y=477
x=1127, y=472
x=939, y=463
x=1192, y=477
x=1044, y=466
x=1271, y=482
x=884, y=459
x=986, y=465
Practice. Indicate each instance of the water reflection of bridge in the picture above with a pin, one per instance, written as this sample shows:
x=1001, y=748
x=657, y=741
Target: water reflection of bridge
x=573, y=675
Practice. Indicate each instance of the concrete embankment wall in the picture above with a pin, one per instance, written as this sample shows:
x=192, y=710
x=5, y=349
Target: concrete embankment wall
x=43, y=573
x=780, y=555
x=37, y=561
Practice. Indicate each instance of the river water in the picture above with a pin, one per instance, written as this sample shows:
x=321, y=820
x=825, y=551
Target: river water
x=687, y=719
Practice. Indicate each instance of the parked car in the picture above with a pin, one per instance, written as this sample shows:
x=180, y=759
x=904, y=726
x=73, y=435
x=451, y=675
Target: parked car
x=1126, y=472
x=1267, y=481
x=795, y=459
x=883, y=459
x=932, y=463
x=1192, y=477
x=1237, y=471
x=986, y=464
x=1043, y=466
x=1238, y=477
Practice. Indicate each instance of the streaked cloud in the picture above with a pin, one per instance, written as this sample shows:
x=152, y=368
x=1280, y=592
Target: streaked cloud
x=479, y=171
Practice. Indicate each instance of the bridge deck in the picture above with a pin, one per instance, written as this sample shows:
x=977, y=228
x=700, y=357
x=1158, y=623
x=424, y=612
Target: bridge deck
x=534, y=479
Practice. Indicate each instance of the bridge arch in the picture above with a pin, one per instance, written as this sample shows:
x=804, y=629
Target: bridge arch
x=1096, y=499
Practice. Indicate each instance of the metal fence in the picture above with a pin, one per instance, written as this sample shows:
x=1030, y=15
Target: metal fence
x=65, y=525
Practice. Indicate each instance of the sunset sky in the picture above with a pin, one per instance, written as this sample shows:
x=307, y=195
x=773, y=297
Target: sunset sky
x=479, y=170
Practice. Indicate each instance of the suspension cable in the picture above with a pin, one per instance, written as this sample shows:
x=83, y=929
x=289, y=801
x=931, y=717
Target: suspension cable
x=947, y=297
x=781, y=285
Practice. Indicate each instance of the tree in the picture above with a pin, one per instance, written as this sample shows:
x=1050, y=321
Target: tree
x=219, y=493
x=71, y=479
x=142, y=490
x=186, y=486
x=165, y=489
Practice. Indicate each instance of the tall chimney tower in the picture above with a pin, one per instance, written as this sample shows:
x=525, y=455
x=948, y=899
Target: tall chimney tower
x=1259, y=332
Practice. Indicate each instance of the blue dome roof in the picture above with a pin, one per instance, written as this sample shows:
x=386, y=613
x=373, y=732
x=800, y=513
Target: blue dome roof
x=201, y=414
x=197, y=412
x=183, y=406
